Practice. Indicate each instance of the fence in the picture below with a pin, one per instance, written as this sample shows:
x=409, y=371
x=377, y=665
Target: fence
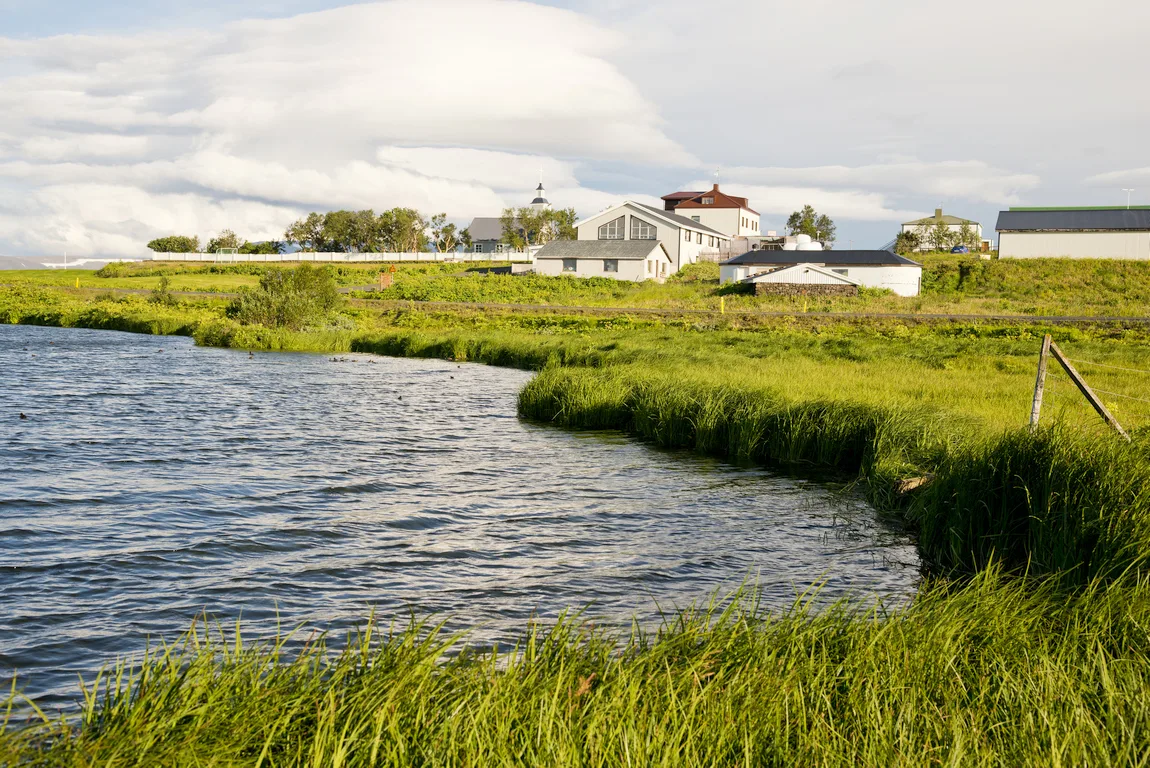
x=335, y=258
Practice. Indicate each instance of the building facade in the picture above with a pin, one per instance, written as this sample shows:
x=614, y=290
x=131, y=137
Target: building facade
x=685, y=241
x=1074, y=233
x=728, y=214
x=870, y=269
x=487, y=231
x=634, y=260
x=953, y=224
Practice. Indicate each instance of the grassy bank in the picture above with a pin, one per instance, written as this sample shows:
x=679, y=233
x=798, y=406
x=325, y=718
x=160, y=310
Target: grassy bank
x=998, y=673
x=1051, y=668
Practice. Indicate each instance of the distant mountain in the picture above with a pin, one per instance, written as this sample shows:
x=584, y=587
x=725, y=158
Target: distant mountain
x=19, y=262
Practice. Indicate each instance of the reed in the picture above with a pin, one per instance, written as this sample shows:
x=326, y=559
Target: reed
x=998, y=672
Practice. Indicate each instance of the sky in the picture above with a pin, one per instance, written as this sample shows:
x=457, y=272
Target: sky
x=121, y=122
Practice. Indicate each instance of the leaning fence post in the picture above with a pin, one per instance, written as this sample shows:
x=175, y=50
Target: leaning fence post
x=1040, y=382
x=1086, y=391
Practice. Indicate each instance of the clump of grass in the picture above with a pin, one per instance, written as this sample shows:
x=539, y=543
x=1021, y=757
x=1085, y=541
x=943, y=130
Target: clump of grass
x=999, y=672
x=293, y=299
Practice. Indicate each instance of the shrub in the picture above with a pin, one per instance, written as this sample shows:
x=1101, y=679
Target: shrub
x=288, y=298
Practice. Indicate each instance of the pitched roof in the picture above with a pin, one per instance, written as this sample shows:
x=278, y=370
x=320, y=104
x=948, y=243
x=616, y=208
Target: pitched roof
x=782, y=272
x=946, y=219
x=825, y=258
x=486, y=228
x=681, y=195
x=681, y=221
x=1074, y=220
x=722, y=200
x=601, y=249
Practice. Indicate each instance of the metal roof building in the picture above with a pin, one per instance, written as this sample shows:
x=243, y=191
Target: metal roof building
x=1076, y=233
x=871, y=269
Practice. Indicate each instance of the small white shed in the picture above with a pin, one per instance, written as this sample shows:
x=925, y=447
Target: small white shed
x=634, y=260
x=871, y=269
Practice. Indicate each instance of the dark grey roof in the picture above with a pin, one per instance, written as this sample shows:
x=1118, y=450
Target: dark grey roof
x=829, y=258
x=682, y=221
x=485, y=228
x=600, y=249
x=539, y=200
x=1070, y=220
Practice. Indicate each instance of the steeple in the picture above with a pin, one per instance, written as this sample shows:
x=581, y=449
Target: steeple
x=540, y=202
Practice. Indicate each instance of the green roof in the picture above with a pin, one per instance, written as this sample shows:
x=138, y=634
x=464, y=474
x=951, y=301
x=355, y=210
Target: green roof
x=1087, y=208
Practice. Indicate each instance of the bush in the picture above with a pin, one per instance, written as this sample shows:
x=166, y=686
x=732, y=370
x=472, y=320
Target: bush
x=162, y=293
x=288, y=298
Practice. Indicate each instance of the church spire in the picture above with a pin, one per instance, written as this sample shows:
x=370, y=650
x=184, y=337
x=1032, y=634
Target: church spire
x=540, y=202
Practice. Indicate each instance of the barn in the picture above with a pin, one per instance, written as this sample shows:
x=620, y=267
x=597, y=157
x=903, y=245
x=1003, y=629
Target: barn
x=1075, y=233
x=870, y=269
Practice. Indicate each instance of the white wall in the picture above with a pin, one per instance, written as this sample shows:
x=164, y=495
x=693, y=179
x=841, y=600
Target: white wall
x=1074, y=245
x=902, y=280
x=954, y=229
x=680, y=251
x=729, y=221
x=635, y=270
x=335, y=258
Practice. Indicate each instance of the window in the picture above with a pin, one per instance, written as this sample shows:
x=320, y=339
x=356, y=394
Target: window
x=708, y=201
x=610, y=265
x=839, y=271
x=648, y=266
x=499, y=248
x=641, y=230
x=686, y=235
x=479, y=247
x=695, y=219
x=699, y=238
x=612, y=230
x=569, y=265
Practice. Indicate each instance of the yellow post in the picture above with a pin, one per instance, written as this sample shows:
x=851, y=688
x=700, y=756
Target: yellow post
x=722, y=305
x=77, y=282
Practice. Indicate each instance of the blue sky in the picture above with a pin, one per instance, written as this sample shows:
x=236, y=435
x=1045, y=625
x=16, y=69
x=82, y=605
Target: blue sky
x=184, y=117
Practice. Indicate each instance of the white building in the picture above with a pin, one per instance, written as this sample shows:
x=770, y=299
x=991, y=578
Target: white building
x=728, y=214
x=870, y=269
x=635, y=260
x=922, y=227
x=1076, y=233
x=684, y=240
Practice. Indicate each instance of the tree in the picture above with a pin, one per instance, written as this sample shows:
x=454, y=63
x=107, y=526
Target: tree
x=268, y=246
x=465, y=239
x=968, y=236
x=513, y=232
x=402, y=230
x=940, y=237
x=565, y=224
x=907, y=242
x=307, y=233
x=820, y=227
x=443, y=234
x=529, y=226
x=225, y=239
x=175, y=244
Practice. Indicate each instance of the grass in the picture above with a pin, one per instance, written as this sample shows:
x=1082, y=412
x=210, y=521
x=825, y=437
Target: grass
x=1000, y=672
x=1027, y=645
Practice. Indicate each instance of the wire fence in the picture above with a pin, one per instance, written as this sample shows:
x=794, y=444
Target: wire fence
x=1066, y=397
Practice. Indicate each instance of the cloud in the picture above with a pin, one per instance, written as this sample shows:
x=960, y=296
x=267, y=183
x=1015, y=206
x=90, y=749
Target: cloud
x=1118, y=178
x=369, y=105
x=781, y=201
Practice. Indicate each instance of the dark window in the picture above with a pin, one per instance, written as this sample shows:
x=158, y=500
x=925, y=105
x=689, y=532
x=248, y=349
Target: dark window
x=479, y=247
x=569, y=265
x=699, y=238
x=708, y=201
x=687, y=235
x=610, y=265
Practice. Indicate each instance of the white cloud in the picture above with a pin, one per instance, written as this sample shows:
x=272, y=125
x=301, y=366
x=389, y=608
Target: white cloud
x=781, y=201
x=375, y=105
x=1118, y=178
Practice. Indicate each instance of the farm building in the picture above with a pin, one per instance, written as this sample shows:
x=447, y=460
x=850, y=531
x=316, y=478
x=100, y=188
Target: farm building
x=803, y=278
x=1076, y=233
x=635, y=260
x=684, y=240
x=870, y=269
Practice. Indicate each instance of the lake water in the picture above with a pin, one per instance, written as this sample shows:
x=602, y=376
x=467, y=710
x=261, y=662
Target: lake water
x=152, y=481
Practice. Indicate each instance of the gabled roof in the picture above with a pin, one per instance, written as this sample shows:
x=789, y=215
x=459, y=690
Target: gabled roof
x=486, y=228
x=1074, y=220
x=681, y=195
x=722, y=200
x=946, y=219
x=779, y=275
x=826, y=258
x=671, y=218
x=602, y=249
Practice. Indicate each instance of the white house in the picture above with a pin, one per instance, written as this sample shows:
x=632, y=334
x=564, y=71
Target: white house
x=684, y=240
x=634, y=260
x=872, y=269
x=953, y=225
x=716, y=209
x=1076, y=233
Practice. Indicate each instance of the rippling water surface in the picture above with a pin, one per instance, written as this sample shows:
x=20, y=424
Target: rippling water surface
x=152, y=481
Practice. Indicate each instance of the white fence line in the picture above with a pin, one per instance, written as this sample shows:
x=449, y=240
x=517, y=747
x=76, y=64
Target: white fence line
x=334, y=258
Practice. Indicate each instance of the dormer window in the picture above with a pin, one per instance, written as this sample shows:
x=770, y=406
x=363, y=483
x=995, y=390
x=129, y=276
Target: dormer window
x=708, y=201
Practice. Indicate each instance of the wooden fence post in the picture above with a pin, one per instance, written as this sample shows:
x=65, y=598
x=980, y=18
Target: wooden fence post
x=1086, y=391
x=1040, y=382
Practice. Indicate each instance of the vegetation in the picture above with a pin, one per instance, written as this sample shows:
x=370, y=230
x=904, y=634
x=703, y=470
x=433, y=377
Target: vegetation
x=288, y=298
x=809, y=222
x=527, y=226
x=175, y=244
x=399, y=230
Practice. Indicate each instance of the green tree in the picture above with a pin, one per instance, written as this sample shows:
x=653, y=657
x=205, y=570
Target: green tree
x=565, y=224
x=808, y=221
x=225, y=239
x=444, y=234
x=289, y=298
x=465, y=239
x=307, y=233
x=402, y=230
x=968, y=236
x=268, y=246
x=907, y=242
x=940, y=237
x=175, y=244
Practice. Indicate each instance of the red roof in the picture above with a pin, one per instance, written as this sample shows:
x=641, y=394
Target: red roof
x=681, y=195
x=721, y=200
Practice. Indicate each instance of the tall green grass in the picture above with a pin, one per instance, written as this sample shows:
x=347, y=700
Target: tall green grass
x=999, y=672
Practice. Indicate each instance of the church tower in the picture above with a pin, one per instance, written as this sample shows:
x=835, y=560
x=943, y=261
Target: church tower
x=540, y=202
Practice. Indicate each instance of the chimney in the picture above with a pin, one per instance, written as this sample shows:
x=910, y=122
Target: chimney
x=938, y=213
x=715, y=188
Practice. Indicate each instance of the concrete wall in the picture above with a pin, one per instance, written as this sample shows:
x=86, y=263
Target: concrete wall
x=635, y=270
x=1074, y=245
